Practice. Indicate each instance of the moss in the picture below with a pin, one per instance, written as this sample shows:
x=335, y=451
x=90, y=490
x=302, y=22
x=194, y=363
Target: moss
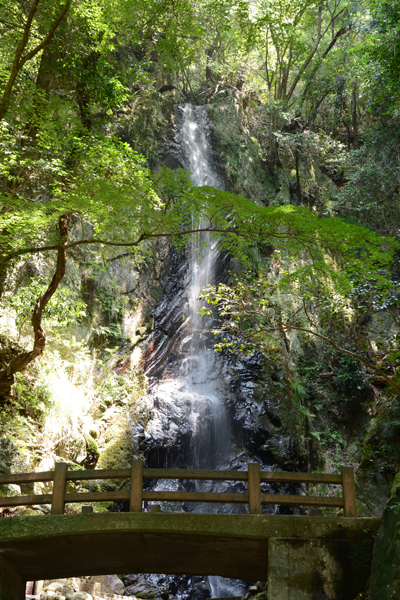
x=240, y=155
x=29, y=512
x=92, y=450
x=385, y=575
x=116, y=451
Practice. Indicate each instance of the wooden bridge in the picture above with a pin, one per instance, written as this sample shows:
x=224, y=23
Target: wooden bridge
x=248, y=546
x=253, y=477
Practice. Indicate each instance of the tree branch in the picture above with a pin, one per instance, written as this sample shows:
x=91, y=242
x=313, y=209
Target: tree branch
x=21, y=361
x=18, y=61
x=360, y=359
x=310, y=56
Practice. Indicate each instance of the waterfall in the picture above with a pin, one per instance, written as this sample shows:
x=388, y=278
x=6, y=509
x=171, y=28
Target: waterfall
x=190, y=397
x=189, y=425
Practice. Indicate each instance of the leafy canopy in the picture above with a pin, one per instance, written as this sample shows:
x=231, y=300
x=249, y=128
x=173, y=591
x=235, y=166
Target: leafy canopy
x=116, y=201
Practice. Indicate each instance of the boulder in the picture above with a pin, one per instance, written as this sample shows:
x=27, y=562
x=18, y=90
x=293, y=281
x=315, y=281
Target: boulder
x=28, y=512
x=110, y=584
x=130, y=579
x=58, y=590
x=90, y=588
x=142, y=589
x=107, y=597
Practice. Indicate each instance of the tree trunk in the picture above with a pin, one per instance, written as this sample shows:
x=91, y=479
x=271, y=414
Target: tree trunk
x=209, y=73
x=354, y=116
x=298, y=182
x=348, y=134
x=21, y=361
x=20, y=59
x=44, y=84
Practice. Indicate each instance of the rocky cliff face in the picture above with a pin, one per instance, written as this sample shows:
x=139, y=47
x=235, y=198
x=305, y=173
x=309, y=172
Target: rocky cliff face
x=202, y=404
x=140, y=319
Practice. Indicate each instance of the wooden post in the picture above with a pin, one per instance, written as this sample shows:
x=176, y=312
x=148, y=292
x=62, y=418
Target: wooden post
x=59, y=483
x=254, y=489
x=38, y=587
x=87, y=509
x=155, y=508
x=136, y=486
x=29, y=587
x=349, y=492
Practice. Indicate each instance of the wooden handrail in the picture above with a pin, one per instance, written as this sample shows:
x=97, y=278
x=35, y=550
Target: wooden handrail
x=270, y=476
x=253, y=476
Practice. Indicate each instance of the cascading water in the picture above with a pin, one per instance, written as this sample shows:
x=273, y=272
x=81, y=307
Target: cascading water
x=188, y=403
x=192, y=391
x=205, y=410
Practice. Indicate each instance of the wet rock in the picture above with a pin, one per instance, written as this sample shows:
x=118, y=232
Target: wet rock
x=182, y=587
x=184, y=420
x=130, y=579
x=141, y=588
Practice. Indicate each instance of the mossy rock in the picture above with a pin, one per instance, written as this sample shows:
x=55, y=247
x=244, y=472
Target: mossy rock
x=385, y=576
x=29, y=512
x=12, y=461
x=116, y=451
x=240, y=155
x=372, y=491
x=92, y=452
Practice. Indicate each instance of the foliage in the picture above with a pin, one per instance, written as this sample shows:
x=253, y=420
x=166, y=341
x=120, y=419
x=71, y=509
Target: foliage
x=125, y=205
x=64, y=309
x=252, y=311
x=371, y=193
x=284, y=31
x=380, y=52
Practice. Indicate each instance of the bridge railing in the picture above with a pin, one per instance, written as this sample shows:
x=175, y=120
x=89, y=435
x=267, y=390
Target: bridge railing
x=136, y=495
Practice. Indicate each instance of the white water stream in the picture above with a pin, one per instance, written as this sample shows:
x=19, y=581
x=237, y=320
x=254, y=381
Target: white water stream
x=190, y=403
x=192, y=399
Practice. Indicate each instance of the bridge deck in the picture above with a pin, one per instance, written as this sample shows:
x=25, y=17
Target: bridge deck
x=177, y=543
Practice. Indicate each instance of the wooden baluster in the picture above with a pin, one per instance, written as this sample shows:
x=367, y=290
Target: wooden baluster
x=59, y=483
x=38, y=587
x=155, y=508
x=29, y=587
x=136, y=486
x=349, y=492
x=254, y=484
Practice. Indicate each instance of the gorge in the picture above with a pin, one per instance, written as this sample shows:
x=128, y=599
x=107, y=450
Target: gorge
x=190, y=422
x=151, y=150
